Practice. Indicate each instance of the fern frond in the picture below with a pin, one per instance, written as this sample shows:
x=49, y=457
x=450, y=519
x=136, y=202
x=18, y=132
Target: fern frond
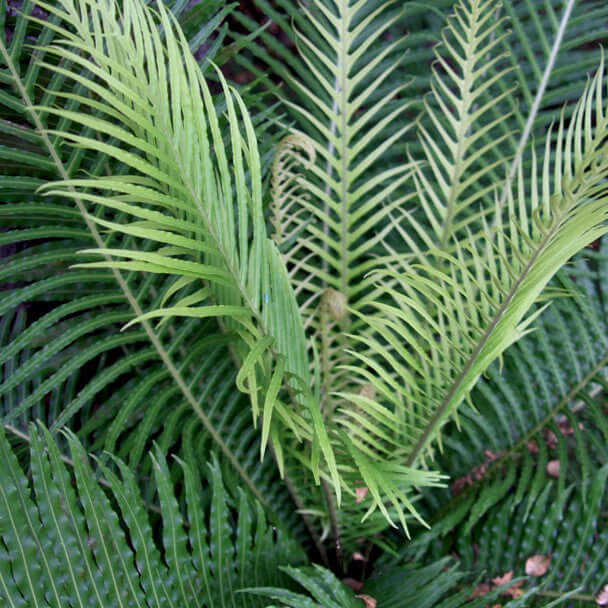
x=394, y=583
x=348, y=192
x=83, y=544
x=347, y=130
x=447, y=324
x=60, y=363
x=172, y=202
x=538, y=418
x=456, y=188
x=561, y=522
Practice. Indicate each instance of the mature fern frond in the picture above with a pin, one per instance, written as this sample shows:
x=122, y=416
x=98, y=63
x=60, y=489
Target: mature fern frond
x=534, y=517
x=448, y=323
x=549, y=50
x=75, y=542
x=393, y=584
x=549, y=53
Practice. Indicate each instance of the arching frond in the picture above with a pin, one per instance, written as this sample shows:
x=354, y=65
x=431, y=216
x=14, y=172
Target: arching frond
x=448, y=323
x=63, y=358
x=196, y=199
x=394, y=584
x=549, y=388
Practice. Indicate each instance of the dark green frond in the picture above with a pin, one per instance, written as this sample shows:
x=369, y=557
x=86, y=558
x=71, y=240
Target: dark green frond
x=73, y=538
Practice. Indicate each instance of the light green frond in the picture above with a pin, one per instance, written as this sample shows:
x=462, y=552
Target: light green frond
x=539, y=417
x=338, y=197
x=349, y=130
x=447, y=324
x=193, y=192
x=333, y=186
x=456, y=187
x=63, y=358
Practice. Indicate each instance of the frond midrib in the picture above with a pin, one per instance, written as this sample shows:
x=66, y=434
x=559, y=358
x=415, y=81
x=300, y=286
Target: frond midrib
x=438, y=415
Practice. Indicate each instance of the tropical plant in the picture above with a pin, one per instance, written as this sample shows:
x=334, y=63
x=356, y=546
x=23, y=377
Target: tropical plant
x=338, y=292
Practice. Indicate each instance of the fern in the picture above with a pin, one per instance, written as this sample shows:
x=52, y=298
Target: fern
x=328, y=281
x=83, y=540
x=67, y=347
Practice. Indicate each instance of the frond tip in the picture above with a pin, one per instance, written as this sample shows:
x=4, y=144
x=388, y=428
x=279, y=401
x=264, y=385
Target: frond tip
x=468, y=124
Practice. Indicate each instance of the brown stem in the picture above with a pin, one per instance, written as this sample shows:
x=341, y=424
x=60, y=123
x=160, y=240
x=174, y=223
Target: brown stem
x=333, y=521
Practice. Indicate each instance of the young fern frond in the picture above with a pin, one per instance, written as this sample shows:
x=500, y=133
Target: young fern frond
x=455, y=186
x=348, y=190
x=288, y=198
x=446, y=324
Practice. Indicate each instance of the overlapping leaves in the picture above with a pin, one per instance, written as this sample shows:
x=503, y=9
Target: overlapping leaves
x=196, y=199
x=81, y=540
x=63, y=356
x=453, y=314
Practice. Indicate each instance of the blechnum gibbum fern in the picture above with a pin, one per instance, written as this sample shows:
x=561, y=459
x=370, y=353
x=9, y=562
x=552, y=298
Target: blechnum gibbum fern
x=364, y=304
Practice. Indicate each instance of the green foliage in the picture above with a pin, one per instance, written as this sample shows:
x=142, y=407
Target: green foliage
x=78, y=539
x=61, y=326
x=333, y=284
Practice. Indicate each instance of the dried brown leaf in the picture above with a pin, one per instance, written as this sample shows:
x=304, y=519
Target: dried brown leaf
x=553, y=468
x=537, y=565
x=532, y=447
x=602, y=598
x=551, y=439
x=360, y=493
x=514, y=591
x=502, y=580
x=370, y=602
x=481, y=590
x=490, y=456
x=353, y=583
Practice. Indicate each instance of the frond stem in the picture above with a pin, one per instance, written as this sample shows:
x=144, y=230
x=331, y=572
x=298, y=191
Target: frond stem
x=563, y=402
x=461, y=137
x=342, y=95
x=305, y=517
x=333, y=522
x=535, y=107
x=571, y=596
